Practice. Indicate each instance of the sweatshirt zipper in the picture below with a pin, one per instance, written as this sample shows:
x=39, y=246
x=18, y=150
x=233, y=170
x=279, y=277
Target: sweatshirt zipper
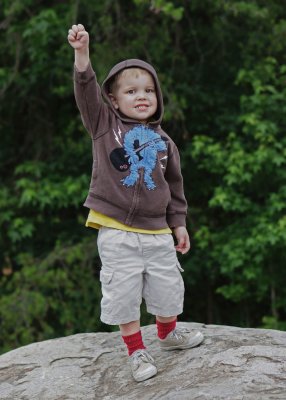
x=135, y=199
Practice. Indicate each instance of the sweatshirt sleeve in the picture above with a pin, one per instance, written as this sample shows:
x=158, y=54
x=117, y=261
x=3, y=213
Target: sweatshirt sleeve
x=177, y=208
x=93, y=110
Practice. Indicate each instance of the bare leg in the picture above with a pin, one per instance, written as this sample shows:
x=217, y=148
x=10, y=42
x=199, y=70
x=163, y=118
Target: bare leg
x=166, y=319
x=130, y=328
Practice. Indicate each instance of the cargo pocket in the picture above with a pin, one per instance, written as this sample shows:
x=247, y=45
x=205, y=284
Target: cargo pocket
x=181, y=286
x=105, y=277
x=179, y=267
x=107, y=301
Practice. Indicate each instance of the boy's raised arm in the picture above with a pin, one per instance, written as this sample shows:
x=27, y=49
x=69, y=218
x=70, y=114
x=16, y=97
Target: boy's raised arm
x=94, y=112
x=79, y=39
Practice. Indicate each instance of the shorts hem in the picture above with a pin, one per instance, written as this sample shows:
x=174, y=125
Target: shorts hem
x=118, y=321
x=164, y=313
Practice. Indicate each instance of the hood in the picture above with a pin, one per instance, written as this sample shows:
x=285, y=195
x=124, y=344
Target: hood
x=156, y=119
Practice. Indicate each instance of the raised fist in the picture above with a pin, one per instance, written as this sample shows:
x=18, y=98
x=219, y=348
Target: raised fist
x=78, y=37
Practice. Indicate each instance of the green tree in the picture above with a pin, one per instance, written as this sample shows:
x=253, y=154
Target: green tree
x=240, y=232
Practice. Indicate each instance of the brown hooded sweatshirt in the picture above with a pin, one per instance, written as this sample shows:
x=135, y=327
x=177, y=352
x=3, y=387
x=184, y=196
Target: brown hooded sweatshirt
x=136, y=176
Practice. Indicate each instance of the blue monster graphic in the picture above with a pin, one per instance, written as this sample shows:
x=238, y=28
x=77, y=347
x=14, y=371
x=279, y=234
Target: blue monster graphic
x=141, y=144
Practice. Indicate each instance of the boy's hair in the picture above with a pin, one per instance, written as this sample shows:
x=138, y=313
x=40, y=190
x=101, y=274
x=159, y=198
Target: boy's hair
x=133, y=71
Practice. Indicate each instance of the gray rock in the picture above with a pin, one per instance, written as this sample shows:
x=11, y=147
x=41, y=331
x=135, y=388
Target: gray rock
x=232, y=364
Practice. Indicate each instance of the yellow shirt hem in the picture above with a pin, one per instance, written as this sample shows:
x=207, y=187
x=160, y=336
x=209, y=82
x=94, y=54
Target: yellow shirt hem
x=97, y=220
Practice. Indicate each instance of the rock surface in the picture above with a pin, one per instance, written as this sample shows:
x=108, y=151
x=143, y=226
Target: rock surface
x=231, y=364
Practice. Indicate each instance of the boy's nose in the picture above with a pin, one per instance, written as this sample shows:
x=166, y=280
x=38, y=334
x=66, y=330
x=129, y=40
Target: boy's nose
x=141, y=95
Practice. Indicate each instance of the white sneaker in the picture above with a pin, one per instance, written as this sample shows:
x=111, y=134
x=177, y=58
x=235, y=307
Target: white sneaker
x=142, y=365
x=181, y=338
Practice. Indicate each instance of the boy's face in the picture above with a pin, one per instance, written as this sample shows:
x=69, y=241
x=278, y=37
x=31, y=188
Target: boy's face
x=135, y=95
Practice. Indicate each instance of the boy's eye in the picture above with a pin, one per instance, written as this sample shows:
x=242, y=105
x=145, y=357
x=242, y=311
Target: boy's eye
x=150, y=90
x=131, y=91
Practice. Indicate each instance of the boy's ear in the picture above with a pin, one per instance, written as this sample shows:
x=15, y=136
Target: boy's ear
x=113, y=100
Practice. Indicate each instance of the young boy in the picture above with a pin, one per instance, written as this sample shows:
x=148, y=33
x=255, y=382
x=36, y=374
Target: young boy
x=136, y=200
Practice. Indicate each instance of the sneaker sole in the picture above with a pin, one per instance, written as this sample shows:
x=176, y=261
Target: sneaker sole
x=146, y=376
x=197, y=340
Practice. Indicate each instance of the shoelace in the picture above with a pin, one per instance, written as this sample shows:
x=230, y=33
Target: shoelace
x=141, y=356
x=178, y=333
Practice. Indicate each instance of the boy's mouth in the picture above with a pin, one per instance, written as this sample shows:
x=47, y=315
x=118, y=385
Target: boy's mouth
x=141, y=106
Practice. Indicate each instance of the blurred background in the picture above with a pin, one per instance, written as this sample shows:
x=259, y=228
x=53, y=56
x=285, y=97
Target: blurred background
x=222, y=66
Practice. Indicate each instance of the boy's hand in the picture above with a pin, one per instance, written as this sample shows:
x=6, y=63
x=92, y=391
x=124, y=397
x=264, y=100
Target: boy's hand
x=78, y=37
x=183, y=239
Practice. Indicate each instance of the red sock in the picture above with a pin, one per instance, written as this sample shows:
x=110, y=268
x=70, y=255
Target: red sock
x=164, y=328
x=134, y=342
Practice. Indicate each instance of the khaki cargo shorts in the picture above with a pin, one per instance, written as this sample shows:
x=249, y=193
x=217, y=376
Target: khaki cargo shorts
x=136, y=266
